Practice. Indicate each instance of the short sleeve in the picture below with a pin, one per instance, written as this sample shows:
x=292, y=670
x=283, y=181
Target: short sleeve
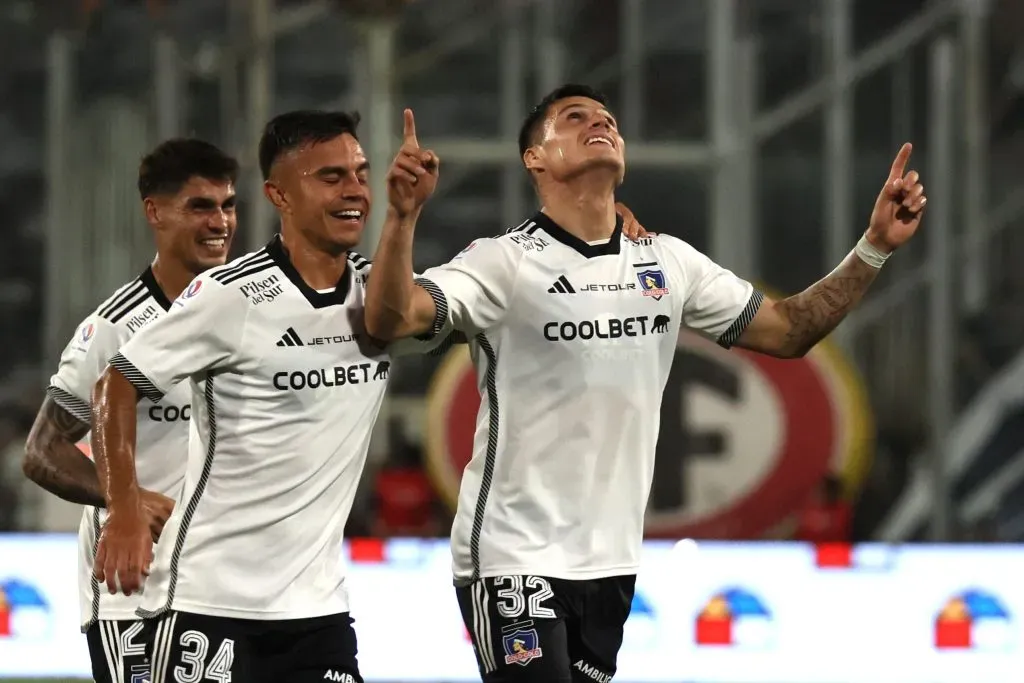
x=202, y=332
x=81, y=363
x=717, y=302
x=473, y=290
x=434, y=343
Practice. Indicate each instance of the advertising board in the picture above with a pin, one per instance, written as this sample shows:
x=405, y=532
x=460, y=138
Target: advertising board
x=707, y=612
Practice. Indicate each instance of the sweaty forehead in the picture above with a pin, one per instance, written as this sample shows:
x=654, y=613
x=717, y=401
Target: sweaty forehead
x=343, y=151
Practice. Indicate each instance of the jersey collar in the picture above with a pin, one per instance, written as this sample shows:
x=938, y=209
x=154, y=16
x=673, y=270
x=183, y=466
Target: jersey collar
x=316, y=299
x=568, y=239
x=149, y=280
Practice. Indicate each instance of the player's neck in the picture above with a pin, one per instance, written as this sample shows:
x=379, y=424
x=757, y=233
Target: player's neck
x=582, y=210
x=172, y=276
x=318, y=268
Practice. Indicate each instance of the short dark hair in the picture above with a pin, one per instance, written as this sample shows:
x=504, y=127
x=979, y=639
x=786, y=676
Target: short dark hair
x=296, y=128
x=531, y=126
x=173, y=162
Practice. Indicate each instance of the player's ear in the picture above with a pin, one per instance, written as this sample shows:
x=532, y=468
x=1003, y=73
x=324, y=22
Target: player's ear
x=151, y=210
x=275, y=196
x=533, y=159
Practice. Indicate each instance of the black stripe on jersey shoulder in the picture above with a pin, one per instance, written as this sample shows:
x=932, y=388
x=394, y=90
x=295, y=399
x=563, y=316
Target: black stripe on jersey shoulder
x=117, y=301
x=132, y=295
x=254, y=268
x=358, y=261
x=528, y=226
x=136, y=302
x=242, y=264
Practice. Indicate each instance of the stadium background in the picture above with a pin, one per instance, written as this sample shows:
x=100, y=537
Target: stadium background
x=758, y=130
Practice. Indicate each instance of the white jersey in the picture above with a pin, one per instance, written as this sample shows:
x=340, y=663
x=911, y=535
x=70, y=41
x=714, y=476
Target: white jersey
x=286, y=387
x=573, y=343
x=161, y=431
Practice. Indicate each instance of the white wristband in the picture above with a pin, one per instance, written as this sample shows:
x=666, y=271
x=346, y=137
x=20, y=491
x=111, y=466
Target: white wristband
x=869, y=253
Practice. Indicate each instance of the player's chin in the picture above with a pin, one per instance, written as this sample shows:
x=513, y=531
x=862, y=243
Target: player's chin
x=210, y=253
x=345, y=232
x=608, y=161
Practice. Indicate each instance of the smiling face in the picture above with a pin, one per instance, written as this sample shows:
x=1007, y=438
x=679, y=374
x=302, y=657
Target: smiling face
x=195, y=224
x=322, y=190
x=578, y=135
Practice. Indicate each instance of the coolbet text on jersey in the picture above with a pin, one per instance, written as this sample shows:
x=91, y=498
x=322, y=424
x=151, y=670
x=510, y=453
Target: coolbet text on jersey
x=572, y=343
x=161, y=431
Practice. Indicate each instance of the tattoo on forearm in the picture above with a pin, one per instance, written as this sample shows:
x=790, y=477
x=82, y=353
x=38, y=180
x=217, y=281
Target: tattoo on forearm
x=816, y=311
x=54, y=461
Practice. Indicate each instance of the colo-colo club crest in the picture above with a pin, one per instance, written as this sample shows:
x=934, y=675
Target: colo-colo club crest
x=744, y=438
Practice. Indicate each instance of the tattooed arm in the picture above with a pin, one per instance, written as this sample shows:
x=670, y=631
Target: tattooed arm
x=791, y=327
x=53, y=460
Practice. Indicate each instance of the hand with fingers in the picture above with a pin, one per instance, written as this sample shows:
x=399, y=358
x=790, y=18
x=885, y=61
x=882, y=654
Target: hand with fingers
x=631, y=227
x=899, y=207
x=413, y=174
x=124, y=551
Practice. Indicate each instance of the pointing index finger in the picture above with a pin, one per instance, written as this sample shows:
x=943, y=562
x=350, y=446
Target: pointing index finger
x=409, y=132
x=900, y=162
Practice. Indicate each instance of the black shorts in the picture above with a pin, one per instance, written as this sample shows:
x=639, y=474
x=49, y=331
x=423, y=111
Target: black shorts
x=532, y=628
x=195, y=648
x=117, y=650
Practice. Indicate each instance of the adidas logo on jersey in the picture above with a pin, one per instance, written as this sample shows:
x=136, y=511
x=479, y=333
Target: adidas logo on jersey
x=561, y=286
x=290, y=338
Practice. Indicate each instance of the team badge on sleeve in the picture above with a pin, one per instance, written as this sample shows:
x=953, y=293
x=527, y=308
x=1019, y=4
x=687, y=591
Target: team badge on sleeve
x=190, y=292
x=84, y=336
x=192, y=289
x=652, y=280
x=521, y=643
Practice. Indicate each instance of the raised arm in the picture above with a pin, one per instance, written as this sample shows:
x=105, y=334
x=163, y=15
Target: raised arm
x=53, y=459
x=396, y=307
x=791, y=327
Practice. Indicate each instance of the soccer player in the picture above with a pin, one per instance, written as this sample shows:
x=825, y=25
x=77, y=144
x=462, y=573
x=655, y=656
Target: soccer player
x=248, y=583
x=573, y=331
x=188, y=193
